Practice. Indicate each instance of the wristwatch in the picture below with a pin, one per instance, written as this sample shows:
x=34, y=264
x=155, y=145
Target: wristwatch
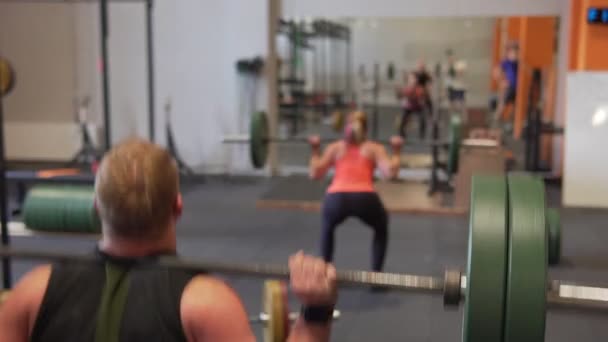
x=317, y=314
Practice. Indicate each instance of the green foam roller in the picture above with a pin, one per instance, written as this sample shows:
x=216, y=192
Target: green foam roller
x=66, y=209
x=455, y=136
x=554, y=232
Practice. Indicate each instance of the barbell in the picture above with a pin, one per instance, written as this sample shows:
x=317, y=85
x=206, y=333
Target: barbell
x=7, y=77
x=259, y=139
x=505, y=289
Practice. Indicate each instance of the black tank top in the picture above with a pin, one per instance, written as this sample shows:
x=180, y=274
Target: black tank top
x=150, y=309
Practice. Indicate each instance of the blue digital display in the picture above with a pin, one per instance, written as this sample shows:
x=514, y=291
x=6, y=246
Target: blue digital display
x=597, y=15
x=593, y=15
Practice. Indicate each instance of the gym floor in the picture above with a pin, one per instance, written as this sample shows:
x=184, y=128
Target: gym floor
x=220, y=221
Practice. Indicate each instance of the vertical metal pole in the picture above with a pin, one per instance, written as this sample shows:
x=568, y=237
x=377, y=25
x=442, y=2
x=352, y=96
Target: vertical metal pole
x=105, y=71
x=349, y=66
x=294, y=38
x=331, y=84
x=272, y=77
x=328, y=68
x=150, y=61
x=375, y=101
x=6, y=263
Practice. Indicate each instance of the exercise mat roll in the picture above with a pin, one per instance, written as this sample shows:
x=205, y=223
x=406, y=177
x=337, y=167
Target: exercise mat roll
x=66, y=209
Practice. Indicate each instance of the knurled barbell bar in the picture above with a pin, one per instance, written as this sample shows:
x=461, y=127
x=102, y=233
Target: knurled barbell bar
x=505, y=286
x=259, y=139
x=264, y=318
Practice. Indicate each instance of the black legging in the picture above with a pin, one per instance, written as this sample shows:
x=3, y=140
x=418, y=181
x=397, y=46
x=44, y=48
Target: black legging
x=365, y=206
x=405, y=119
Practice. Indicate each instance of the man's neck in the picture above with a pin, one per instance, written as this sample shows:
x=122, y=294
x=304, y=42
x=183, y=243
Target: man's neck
x=128, y=248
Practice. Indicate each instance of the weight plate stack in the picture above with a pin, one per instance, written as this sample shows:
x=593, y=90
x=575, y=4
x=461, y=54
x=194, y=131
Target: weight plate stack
x=554, y=231
x=259, y=139
x=487, y=256
x=525, y=307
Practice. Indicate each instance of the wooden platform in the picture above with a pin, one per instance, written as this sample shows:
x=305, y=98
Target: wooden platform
x=417, y=160
x=301, y=193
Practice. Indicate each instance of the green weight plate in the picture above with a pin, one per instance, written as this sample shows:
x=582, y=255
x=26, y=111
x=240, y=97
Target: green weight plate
x=554, y=231
x=259, y=140
x=525, y=306
x=487, y=255
x=455, y=136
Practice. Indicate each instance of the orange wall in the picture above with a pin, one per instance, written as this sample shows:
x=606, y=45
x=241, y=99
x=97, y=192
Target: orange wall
x=513, y=28
x=550, y=84
x=588, y=43
x=536, y=50
x=575, y=28
x=538, y=38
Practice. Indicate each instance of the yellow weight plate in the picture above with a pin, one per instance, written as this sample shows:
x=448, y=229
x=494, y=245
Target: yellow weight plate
x=7, y=77
x=276, y=307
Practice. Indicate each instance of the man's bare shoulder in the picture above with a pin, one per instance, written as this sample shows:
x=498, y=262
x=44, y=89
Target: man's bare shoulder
x=31, y=288
x=18, y=313
x=211, y=309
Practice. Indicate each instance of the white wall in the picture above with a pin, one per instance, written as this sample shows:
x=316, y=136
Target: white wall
x=38, y=41
x=585, y=179
x=405, y=40
x=198, y=44
x=55, y=48
x=127, y=65
x=417, y=8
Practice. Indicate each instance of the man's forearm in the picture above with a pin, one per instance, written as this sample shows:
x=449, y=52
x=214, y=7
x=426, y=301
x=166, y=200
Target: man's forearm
x=309, y=332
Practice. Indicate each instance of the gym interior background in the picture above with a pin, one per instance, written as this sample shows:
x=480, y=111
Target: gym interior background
x=197, y=96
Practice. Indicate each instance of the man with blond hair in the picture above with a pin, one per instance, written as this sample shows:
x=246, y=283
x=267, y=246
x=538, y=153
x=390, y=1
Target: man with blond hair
x=126, y=295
